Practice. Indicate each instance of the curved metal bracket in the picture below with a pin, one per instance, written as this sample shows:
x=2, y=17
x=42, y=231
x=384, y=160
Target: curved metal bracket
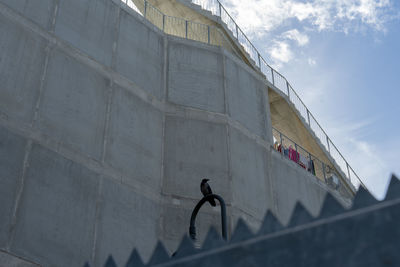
x=192, y=228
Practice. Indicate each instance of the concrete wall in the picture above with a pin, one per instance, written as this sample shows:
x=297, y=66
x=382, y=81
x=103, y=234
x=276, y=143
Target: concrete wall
x=107, y=127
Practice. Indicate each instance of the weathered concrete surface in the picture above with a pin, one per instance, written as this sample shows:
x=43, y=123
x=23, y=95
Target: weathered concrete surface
x=250, y=181
x=8, y=260
x=41, y=12
x=195, y=150
x=12, y=151
x=127, y=220
x=65, y=113
x=195, y=77
x=247, y=99
x=290, y=184
x=89, y=25
x=135, y=139
x=56, y=213
x=22, y=60
x=140, y=54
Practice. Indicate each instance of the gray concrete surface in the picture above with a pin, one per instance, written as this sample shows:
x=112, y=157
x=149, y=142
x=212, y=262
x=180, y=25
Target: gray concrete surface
x=56, y=213
x=114, y=162
x=8, y=260
x=89, y=25
x=140, y=54
x=41, y=12
x=12, y=151
x=247, y=99
x=195, y=150
x=127, y=220
x=289, y=183
x=250, y=181
x=22, y=58
x=134, y=144
x=65, y=113
x=195, y=77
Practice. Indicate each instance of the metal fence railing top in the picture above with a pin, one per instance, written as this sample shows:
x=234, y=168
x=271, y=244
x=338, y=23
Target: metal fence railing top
x=214, y=36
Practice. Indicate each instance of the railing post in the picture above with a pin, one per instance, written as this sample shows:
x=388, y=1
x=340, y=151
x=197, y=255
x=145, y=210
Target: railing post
x=272, y=75
x=145, y=8
x=220, y=10
x=237, y=32
x=280, y=135
x=288, y=91
x=259, y=60
x=348, y=170
x=309, y=156
x=163, y=23
x=208, y=34
x=186, y=29
x=308, y=116
x=327, y=141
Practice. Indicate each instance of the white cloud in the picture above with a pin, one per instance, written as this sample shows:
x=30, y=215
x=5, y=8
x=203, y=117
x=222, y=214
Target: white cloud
x=312, y=62
x=295, y=35
x=280, y=52
x=264, y=15
x=269, y=18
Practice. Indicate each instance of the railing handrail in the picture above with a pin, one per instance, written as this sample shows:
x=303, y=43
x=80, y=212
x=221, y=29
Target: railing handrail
x=272, y=71
x=311, y=156
x=305, y=150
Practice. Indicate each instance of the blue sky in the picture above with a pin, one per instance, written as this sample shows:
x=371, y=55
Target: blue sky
x=343, y=58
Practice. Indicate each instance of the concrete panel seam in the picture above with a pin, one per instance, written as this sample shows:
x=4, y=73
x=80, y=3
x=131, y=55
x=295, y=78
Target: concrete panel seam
x=25, y=166
x=93, y=165
x=21, y=258
x=55, y=14
x=228, y=147
x=115, y=43
x=273, y=192
x=81, y=56
x=24, y=22
x=198, y=114
x=165, y=70
x=226, y=102
x=244, y=66
x=97, y=218
x=162, y=151
x=192, y=43
x=42, y=80
x=107, y=121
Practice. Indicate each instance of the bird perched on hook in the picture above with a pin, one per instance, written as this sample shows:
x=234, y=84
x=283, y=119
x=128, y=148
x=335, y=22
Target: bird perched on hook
x=206, y=190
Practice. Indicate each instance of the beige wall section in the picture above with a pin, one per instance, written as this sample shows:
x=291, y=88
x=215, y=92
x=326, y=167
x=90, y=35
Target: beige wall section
x=178, y=9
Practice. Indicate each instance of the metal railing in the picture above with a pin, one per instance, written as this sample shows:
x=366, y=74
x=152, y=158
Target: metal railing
x=213, y=35
x=280, y=82
x=295, y=152
x=180, y=27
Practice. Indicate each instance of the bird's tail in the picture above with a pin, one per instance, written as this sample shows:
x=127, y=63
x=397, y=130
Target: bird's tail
x=212, y=202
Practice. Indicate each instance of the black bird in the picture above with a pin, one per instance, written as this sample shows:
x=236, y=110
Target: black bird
x=206, y=190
